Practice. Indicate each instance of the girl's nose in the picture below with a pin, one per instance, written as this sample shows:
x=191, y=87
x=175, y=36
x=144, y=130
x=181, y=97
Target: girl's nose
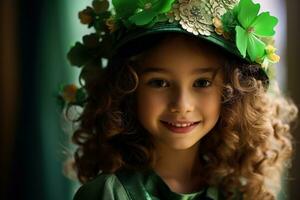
x=181, y=101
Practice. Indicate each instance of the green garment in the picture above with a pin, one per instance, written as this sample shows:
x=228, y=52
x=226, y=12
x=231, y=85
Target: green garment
x=129, y=185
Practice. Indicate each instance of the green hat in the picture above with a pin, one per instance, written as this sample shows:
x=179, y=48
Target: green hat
x=236, y=26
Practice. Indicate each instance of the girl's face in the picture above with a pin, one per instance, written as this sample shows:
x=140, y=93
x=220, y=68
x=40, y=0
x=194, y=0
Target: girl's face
x=179, y=93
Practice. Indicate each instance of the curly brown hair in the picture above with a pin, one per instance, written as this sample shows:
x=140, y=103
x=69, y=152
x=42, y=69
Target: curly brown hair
x=246, y=151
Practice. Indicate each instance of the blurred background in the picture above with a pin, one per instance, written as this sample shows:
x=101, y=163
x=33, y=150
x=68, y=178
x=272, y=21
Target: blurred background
x=35, y=37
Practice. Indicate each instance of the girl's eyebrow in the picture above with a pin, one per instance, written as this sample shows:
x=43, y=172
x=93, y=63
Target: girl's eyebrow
x=195, y=71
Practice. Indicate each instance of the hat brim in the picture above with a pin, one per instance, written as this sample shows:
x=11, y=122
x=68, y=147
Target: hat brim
x=214, y=38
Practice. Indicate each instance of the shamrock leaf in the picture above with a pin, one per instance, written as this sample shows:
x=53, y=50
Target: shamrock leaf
x=141, y=12
x=150, y=10
x=248, y=42
x=264, y=24
x=229, y=21
x=93, y=47
x=100, y=5
x=78, y=55
x=86, y=16
x=125, y=8
x=251, y=27
x=247, y=12
x=95, y=16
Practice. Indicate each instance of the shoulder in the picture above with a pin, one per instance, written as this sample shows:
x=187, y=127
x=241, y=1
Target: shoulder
x=104, y=186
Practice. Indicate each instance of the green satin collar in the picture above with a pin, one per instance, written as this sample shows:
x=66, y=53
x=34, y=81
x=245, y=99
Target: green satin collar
x=155, y=184
x=152, y=187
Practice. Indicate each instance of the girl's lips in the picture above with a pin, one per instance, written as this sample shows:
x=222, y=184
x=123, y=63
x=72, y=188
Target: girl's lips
x=181, y=130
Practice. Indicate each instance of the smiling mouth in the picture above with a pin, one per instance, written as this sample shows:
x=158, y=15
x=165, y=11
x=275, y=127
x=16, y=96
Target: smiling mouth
x=180, y=128
x=180, y=125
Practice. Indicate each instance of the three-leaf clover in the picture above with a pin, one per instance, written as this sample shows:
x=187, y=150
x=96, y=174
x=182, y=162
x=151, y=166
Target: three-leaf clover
x=252, y=27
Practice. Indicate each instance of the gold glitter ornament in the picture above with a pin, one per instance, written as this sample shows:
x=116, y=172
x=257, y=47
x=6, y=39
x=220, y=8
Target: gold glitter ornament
x=196, y=16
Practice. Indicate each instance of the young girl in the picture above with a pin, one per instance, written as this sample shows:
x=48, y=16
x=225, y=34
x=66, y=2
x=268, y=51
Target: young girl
x=186, y=106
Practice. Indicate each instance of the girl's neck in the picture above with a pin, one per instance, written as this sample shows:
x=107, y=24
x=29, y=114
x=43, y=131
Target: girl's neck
x=177, y=165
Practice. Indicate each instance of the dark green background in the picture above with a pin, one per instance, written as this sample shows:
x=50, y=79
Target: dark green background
x=45, y=30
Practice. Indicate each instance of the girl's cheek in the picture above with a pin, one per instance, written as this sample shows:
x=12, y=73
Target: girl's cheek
x=209, y=102
x=151, y=99
x=155, y=99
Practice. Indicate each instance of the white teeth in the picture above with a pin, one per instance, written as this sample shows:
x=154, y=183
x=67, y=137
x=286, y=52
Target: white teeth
x=180, y=125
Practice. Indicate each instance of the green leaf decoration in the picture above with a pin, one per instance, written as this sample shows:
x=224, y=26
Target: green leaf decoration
x=247, y=12
x=91, y=41
x=163, y=6
x=255, y=48
x=100, y=22
x=241, y=40
x=251, y=28
x=264, y=24
x=142, y=18
x=78, y=55
x=87, y=16
x=152, y=9
x=141, y=12
x=92, y=48
x=100, y=5
x=162, y=18
x=229, y=21
x=125, y=8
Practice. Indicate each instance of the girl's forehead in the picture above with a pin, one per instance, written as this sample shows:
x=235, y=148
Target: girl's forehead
x=180, y=50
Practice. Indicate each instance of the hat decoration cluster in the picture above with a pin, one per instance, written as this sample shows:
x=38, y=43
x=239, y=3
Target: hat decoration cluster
x=239, y=22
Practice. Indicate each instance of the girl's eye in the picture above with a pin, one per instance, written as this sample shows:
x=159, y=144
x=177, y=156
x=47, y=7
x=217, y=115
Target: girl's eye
x=158, y=83
x=202, y=83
